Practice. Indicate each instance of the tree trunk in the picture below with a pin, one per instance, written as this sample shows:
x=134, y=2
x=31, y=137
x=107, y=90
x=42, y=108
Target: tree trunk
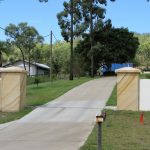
x=147, y=66
x=1, y=59
x=29, y=60
x=71, y=43
x=91, y=38
x=23, y=58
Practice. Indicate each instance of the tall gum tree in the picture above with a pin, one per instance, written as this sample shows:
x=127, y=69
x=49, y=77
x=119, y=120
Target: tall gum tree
x=70, y=21
x=93, y=13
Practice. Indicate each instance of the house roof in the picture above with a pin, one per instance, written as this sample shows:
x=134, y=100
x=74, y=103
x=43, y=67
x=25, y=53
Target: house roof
x=33, y=63
x=41, y=65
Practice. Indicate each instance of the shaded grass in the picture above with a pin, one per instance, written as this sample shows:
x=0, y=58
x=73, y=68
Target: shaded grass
x=145, y=76
x=122, y=131
x=112, y=101
x=41, y=79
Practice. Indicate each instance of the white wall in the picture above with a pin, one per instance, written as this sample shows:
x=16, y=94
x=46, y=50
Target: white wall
x=21, y=65
x=33, y=68
x=145, y=94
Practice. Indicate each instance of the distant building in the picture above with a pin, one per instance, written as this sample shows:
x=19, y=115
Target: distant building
x=35, y=68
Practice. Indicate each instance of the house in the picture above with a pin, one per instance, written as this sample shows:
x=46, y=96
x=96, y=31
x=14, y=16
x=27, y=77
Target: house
x=35, y=68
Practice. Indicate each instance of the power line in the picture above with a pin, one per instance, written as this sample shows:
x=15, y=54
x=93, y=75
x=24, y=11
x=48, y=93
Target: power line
x=46, y=36
x=12, y=35
x=54, y=36
x=7, y=31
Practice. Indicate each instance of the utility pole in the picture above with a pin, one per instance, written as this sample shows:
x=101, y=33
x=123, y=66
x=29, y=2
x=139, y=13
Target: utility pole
x=51, y=47
x=71, y=43
x=91, y=38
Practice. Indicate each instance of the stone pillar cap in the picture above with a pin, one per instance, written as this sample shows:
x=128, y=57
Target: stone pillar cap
x=127, y=69
x=12, y=70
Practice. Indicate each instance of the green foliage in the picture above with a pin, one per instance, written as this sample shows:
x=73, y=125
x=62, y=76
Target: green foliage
x=41, y=54
x=111, y=45
x=86, y=14
x=122, y=44
x=143, y=54
x=61, y=58
x=64, y=19
x=93, y=13
x=5, y=48
x=15, y=55
x=24, y=37
x=143, y=37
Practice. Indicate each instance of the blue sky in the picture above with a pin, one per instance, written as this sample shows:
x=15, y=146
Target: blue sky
x=132, y=14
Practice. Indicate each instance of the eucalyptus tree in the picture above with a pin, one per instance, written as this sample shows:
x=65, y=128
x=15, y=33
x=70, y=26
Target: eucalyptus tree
x=70, y=21
x=24, y=37
x=32, y=39
x=93, y=13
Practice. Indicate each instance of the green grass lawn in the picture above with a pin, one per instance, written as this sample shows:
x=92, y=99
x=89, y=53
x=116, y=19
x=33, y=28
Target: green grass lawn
x=112, y=101
x=122, y=131
x=46, y=92
x=42, y=94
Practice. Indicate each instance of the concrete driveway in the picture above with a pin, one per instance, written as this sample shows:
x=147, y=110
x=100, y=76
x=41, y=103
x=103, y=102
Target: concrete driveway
x=63, y=124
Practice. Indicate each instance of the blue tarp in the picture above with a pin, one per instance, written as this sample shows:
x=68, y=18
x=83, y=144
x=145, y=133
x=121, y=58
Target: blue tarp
x=118, y=66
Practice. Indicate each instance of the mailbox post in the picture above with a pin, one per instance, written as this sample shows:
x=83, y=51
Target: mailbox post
x=99, y=120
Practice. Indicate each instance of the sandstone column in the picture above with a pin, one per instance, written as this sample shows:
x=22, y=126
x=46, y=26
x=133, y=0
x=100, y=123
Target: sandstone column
x=128, y=88
x=12, y=89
